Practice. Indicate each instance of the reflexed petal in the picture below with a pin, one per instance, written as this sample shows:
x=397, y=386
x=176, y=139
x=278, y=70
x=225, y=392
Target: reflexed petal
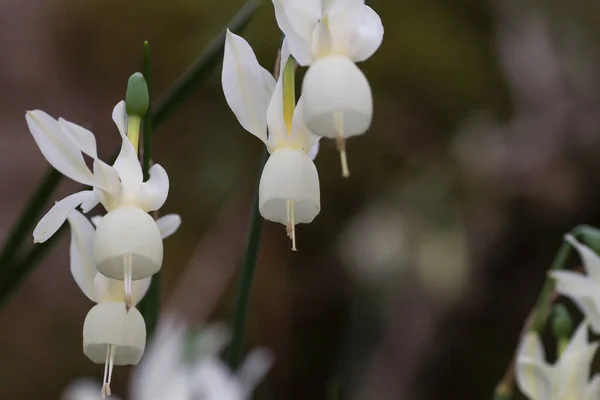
x=593, y=389
x=246, y=86
x=590, y=310
x=128, y=165
x=90, y=202
x=109, y=177
x=255, y=367
x=57, y=148
x=531, y=346
x=108, y=289
x=312, y=153
x=168, y=225
x=278, y=133
x=293, y=42
x=119, y=116
x=368, y=37
x=534, y=378
x=154, y=192
x=591, y=261
x=83, y=266
x=343, y=19
x=572, y=283
x=303, y=16
x=83, y=139
x=57, y=215
x=575, y=361
x=96, y=219
x=301, y=133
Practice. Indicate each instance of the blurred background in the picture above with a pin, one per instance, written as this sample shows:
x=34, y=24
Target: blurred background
x=415, y=279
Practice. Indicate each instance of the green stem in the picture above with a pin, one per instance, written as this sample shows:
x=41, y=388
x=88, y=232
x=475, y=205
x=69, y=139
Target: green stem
x=234, y=353
x=180, y=90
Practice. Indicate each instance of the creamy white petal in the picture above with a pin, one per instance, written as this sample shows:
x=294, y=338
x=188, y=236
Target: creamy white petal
x=255, y=367
x=591, y=261
x=107, y=289
x=155, y=190
x=119, y=116
x=109, y=178
x=343, y=19
x=246, y=86
x=312, y=153
x=302, y=134
x=293, y=42
x=303, y=16
x=534, y=378
x=168, y=225
x=368, y=36
x=573, y=283
x=96, y=219
x=90, y=202
x=574, y=363
x=58, y=148
x=590, y=309
x=57, y=215
x=83, y=267
x=83, y=138
x=593, y=388
x=278, y=133
x=531, y=346
x=127, y=165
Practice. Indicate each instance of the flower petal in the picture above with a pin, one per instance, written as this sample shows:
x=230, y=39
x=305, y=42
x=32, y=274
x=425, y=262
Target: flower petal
x=246, y=86
x=168, y=225
x=343, y=20
x=300, y=132
x=575, y=361
x=154, y=192
x=119, y=116
x=57, y=148
x=83, y=266
x=109, y=178
x=589, y=307
x=278, y=132
x=303, y=16
x=573, y=284
x=368, y=37
x=293, y=42
x=83, y=138
x=534, y=378
x=255, y=367
x=591, y=261
x=128, y=165
x=96, y=220
x=531, y=346
x=57, y=215
x=312, y=153
x=593, y=388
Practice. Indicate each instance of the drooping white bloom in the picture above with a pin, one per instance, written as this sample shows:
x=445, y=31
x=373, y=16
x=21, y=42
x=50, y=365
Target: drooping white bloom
x=331, y=36
x=584, y=290
x=173, y=369
x=289, y=187
x=128, y=241
x=568, y=378
x=113, y=334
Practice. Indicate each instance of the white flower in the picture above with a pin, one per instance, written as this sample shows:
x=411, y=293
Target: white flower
x=128, y=243
x=568, y=378
x=289, y=186
x=330, y=36
x=584, y=290
x=113, y=334
x=176, y=368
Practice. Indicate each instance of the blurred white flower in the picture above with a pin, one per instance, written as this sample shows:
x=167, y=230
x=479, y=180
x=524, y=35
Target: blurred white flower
x=289, y=187
x=584, y=290
x=128, y=243
x=330, y=36
x=113, y=333
x=568, y=378
x=176, y=368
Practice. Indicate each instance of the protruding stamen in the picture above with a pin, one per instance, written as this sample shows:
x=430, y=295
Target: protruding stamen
x=128, y=274
x=341, y=143
x=293, y=226
x=108, y=368
x=288, y=227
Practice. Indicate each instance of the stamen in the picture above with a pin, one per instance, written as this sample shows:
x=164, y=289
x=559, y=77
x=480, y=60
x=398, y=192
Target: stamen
x=108, y=368
x=128, y=274
x=293, y=225
x=341, y=143
x=288, y=228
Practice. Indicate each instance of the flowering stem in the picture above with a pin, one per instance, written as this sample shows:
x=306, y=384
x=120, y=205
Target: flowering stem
x=180, y=90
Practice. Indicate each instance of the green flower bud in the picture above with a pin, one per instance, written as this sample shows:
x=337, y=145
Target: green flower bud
x=137, y=98
x=562, y=323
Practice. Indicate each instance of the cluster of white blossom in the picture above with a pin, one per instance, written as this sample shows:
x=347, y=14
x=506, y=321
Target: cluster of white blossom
x=328, y=36
x=569, y=377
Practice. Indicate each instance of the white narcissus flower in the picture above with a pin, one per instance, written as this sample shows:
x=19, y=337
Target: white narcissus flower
x=128, y=243
x=584, y=290
x=174, y=369
x=330, y=36
x=113, y=334
x=289, y=186
x=568, y=378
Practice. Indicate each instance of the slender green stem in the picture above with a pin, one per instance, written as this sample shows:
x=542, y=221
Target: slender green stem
x=180, y=90
x=234, y=353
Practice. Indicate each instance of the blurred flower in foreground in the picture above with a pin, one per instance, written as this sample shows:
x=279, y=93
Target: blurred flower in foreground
x=112, y=334
x=330, y=36
x=289, y=186
x=568, y=378
x=127, y=244
x=177, y=368
x=583, y=290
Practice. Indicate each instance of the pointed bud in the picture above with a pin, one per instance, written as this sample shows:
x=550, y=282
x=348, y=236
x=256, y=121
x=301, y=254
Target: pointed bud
x=137, y=98
x=562, y=323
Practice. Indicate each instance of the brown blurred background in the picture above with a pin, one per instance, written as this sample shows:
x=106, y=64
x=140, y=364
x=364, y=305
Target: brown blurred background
x=416, y=277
